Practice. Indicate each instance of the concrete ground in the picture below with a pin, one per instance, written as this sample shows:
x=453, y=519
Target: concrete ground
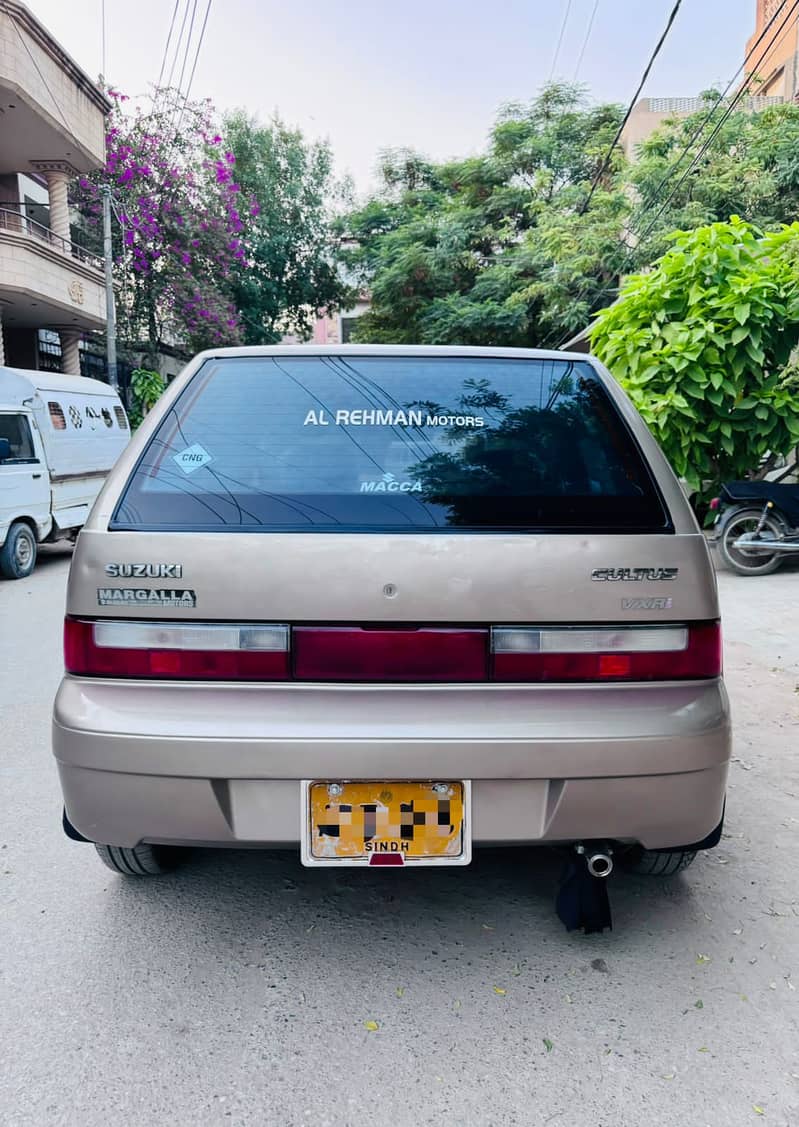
x=238, y=991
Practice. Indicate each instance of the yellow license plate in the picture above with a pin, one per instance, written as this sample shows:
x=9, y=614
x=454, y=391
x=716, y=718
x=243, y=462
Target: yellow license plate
x=386, y=823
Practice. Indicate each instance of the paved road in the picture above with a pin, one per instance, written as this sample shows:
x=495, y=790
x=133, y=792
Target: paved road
x=236, y=992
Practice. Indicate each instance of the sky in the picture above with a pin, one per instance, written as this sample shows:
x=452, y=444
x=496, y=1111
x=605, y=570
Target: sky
x=426, y=74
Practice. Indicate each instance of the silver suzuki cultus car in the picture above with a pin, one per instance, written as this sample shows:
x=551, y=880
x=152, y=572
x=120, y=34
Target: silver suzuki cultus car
x=379, y=604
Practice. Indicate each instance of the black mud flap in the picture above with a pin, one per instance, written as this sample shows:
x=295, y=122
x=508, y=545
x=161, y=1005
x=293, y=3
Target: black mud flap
x=583, y=900
x=70, y=830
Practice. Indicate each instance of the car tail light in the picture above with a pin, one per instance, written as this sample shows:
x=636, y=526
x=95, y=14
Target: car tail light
x=345, y=653
x=169, y=651
x=645, y=653
x=522, y=654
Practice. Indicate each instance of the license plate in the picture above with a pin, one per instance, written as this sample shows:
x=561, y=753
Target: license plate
x=385, y=823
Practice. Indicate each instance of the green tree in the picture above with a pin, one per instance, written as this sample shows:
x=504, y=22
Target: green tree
x=494, y=249
x=290, y=270
x=178, y=225
x=751, y=169
x=702, y=346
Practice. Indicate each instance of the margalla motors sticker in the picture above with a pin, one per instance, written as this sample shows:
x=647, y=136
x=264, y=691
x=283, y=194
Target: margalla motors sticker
x=127, y=596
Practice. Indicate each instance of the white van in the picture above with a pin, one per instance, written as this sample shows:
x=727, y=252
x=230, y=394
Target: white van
x=59, y=437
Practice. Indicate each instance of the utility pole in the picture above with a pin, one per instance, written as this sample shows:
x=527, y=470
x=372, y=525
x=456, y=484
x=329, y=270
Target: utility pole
x=110, y=309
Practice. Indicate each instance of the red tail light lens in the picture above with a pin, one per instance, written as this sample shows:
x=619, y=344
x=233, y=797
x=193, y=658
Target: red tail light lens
x=630, y=654
x=333, y=653
x=174, y=651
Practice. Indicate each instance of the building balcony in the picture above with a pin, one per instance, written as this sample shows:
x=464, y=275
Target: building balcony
x=47, y=280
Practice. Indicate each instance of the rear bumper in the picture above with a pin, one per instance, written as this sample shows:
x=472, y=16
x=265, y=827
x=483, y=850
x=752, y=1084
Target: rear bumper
x=220, y=764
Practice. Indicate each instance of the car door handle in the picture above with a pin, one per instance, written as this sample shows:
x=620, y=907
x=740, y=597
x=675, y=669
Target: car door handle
x=36, y=475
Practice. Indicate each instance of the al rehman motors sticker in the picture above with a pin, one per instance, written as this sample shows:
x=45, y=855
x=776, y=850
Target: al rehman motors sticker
x=161, y=597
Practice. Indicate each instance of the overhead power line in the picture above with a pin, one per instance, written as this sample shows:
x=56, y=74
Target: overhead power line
x=194, y=65
x=745, y=88
x=560, y=39
x=701, y=127
x=588, y=31
x=177, y=46
x=625, y=119
x=168, y=41
x=188, y=45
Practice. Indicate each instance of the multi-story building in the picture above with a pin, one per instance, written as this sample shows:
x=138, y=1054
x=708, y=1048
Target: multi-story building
x=649, y=113
x=771, y=74
x=52, y=128
x=776, y=74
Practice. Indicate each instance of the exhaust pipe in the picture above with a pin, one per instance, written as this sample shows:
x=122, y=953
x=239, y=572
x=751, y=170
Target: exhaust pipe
x=600, y=865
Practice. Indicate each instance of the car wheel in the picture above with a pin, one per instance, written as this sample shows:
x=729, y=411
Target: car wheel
x=655, y=863
x=744, y=560
x=140, y=861
x=18, y=554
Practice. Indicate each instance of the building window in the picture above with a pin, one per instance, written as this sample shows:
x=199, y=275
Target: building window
x=57, y=416
x=121, y=418
x=347, y=325
x=49, y=351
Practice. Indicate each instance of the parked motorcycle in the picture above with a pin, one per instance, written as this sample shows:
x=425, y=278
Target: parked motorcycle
x=757, y=526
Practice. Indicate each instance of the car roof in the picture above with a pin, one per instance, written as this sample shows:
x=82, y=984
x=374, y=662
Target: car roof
x=390, y=350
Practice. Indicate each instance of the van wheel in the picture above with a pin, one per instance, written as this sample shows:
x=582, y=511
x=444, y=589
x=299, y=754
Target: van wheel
x=140, y=861
x=18, y=554
x=655, y=863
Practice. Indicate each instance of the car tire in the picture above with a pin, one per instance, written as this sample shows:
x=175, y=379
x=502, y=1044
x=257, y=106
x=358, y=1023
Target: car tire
x=140, y=861
x=18, y=554
x=655, y=863
x=738, y=559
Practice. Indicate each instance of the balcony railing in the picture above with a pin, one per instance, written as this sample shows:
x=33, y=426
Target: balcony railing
x=19, y=223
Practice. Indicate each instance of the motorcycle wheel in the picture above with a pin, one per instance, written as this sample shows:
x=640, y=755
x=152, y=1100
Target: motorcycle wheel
x=743, y=560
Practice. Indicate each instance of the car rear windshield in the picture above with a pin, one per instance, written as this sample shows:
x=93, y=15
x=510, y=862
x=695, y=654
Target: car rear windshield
x=391, y=443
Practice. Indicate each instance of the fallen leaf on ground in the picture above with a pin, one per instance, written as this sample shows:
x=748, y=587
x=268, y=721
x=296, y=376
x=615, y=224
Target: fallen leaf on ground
x=737, y=930
x=669, y=1076
x=699, y=1004
x=372, y=1026
x=703, y=1049
x=517, y=970
x=569, y=999
x=499, y=990
x=757, y=1110
x=703, y=958
x=458, y=1003
x=548, y=1044
x=400, y=991
x=488, y=927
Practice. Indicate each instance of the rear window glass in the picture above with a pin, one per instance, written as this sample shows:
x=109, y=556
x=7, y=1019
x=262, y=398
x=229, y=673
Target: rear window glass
x=369, y=443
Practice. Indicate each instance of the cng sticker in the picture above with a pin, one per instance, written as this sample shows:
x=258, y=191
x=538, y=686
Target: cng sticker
x=192, y=458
